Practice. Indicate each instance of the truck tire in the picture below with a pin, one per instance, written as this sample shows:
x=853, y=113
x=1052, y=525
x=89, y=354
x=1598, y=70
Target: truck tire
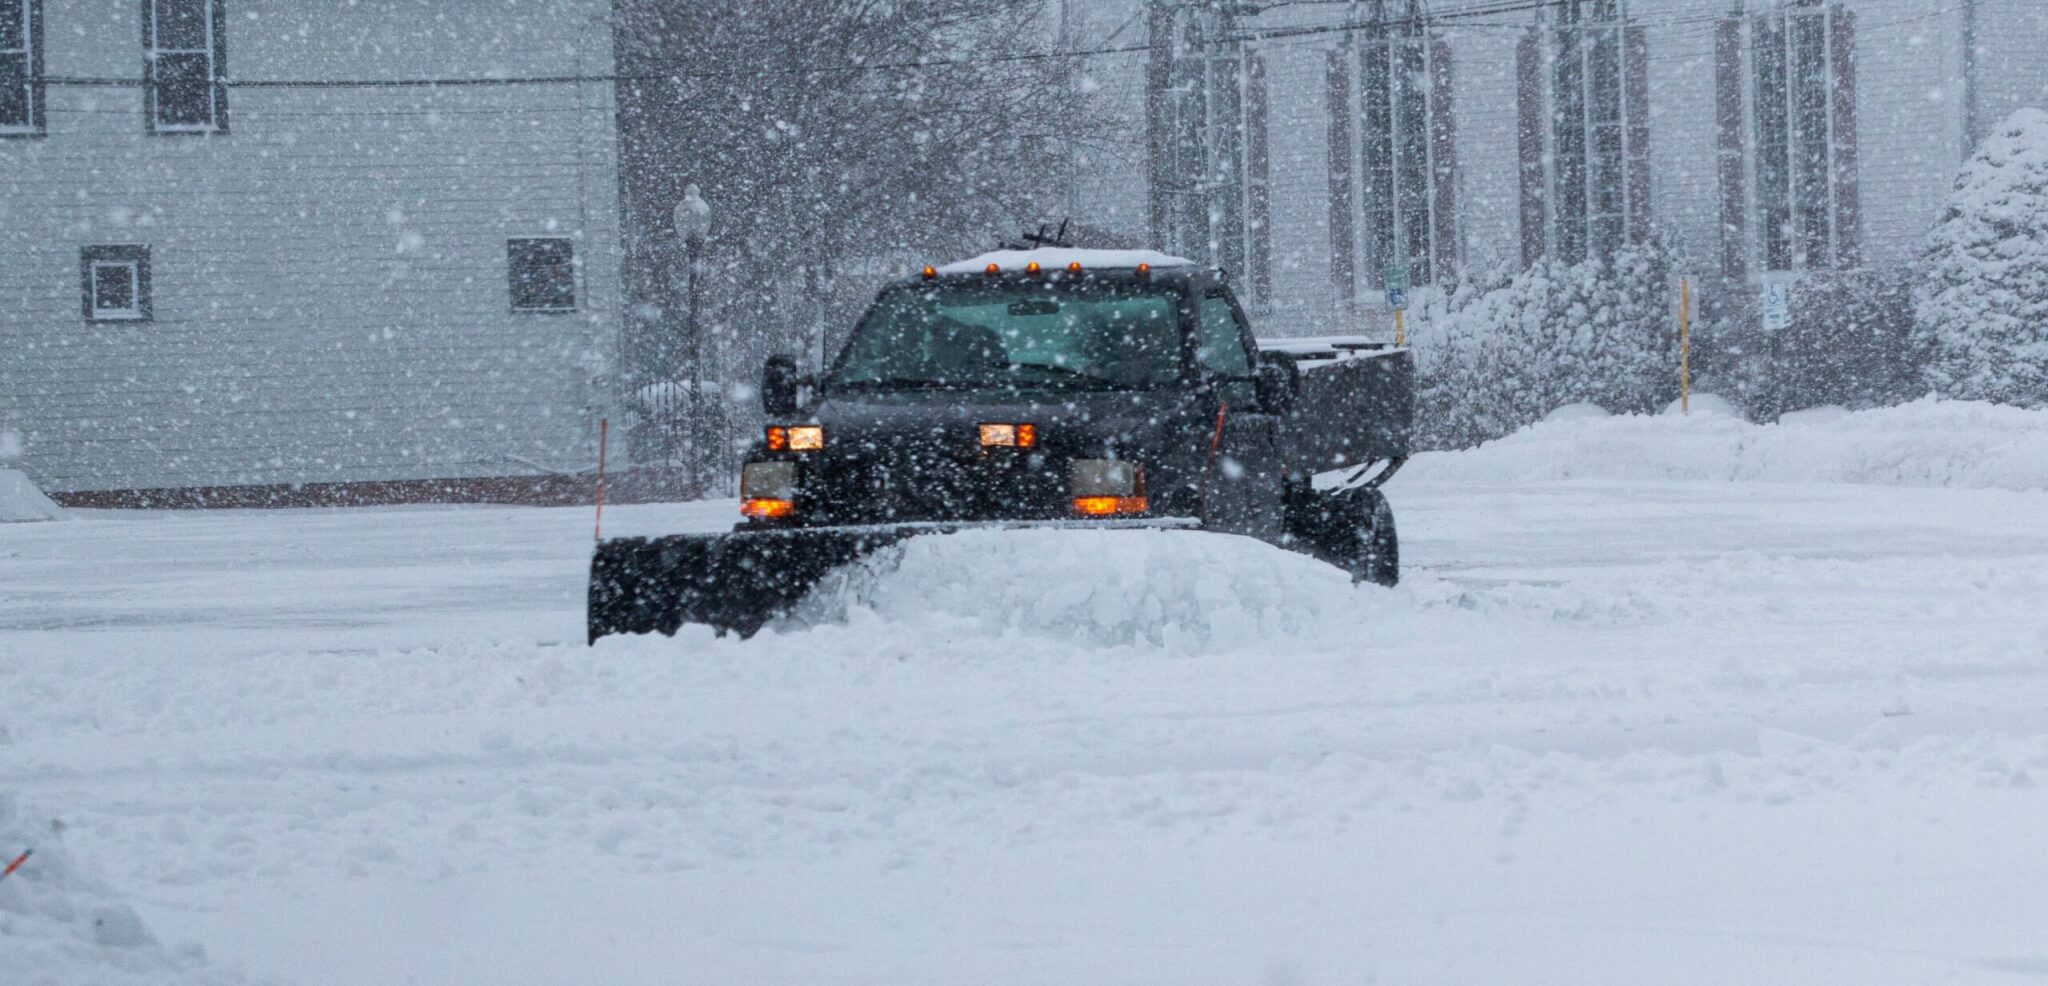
x=1352, y=529
x=1381, y=562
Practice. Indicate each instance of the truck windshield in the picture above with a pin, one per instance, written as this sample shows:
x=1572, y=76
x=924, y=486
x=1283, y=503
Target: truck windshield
x=1015, y=336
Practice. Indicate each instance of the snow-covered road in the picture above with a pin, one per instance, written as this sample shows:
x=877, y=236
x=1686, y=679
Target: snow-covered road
x=1607, y=732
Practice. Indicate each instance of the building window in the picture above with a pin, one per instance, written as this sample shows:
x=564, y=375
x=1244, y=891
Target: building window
x=543, y=273
x=116, y=281
x=21, y=68
x=185, y=44
x=1800, y=89
x=1405, y=146
x=1206, y=143
x=1584, y=143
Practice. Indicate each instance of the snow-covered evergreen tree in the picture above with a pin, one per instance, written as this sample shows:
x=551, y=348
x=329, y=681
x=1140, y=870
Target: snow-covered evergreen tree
x=1983, y=297
x=1597, y=332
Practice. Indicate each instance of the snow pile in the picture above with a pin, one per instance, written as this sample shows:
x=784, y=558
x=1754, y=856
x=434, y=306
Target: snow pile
x=1581, y=411
x=60, y=926
x=1184, y=591
x=1700, y=405
x=1926, y=443
x=21, y=501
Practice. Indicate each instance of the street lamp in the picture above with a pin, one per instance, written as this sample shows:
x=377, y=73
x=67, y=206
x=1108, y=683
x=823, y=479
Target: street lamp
x=693, y=223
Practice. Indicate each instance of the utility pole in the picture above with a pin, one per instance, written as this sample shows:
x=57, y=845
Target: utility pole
x=692, y=224
x=1973, y=109
x=1070, y=201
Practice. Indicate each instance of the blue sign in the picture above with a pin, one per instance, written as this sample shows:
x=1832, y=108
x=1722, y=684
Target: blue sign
x=1396, y=280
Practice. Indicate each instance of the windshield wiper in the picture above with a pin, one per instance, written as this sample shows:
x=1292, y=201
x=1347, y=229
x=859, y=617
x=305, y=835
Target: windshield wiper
x=1071, y=375
x=897, y=383
x=1064, y=378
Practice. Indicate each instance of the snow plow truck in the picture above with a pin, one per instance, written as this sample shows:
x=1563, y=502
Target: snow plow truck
x=1038, y=387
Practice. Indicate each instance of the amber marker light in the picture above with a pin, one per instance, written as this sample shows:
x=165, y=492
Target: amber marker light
x=778, y=438
x=930, y=272
x=1074, y=267
x=1109, y=506
x=1027, y=436
x=1108, y=488
x=1144, y=270
x=767, y=509
x=994, y=269
x=1032, y=268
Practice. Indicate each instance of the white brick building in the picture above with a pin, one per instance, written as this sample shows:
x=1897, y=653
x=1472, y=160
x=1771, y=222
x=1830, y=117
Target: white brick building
x=225, y=262
x=1865, y=101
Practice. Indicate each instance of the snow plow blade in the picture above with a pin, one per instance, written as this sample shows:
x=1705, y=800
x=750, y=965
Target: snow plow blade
x=733, y=582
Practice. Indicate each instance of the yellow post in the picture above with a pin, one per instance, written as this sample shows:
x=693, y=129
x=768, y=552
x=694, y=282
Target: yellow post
x=1684, y=346
x=1400, y=327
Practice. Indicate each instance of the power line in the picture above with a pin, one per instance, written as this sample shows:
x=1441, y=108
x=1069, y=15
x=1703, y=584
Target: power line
x=1465, y=17
x=1484, y=9
x=458, y=82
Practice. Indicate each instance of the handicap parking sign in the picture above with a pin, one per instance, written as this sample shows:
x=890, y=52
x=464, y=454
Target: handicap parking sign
x=1397, y=287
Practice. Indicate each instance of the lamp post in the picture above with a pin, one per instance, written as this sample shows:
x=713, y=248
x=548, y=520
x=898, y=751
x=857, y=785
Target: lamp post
x=693, y=222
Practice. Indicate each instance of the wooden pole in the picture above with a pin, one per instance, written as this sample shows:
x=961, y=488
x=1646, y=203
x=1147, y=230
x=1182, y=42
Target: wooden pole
x=1401, y=327
x=1684, y=346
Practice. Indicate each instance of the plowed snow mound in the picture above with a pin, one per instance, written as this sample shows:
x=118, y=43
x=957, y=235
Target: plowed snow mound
x=1185, y=591
x=59, y=926
x=1925, y=443
x=20, y=500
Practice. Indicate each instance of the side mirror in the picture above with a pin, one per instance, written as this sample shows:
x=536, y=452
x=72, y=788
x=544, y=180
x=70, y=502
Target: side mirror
x=779, y=384
x=1279, y=381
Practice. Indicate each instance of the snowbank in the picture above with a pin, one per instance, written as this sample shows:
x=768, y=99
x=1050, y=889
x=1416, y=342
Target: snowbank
x=1184, y=591
x=1581, y=411
x=1926, y=443
x=60, y=926
x=20, y=500
x=1703, y=404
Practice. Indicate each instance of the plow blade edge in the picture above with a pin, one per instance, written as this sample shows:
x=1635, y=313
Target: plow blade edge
x=731, y=582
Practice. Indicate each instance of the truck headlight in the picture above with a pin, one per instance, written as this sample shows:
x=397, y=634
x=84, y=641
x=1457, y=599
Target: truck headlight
x=1108, y=488
x=795, y=438
x=768, y=490
x=1009, y=436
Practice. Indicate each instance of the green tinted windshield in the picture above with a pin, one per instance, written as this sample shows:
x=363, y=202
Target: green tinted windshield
x=1030, y=335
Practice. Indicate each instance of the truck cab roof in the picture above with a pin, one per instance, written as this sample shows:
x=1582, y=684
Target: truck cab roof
x=1059, y=258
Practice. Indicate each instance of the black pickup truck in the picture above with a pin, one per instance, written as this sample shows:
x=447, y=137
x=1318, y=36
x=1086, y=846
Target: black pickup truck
x=1038, y=387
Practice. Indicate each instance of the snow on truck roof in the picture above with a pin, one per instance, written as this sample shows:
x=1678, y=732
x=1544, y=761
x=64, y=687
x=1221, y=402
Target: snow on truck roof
x=1055, y=258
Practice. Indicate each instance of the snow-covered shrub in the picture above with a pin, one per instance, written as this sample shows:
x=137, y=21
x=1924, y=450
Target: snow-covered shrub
x=1599, y=332
x=1983, y=297
x=1851, y=343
